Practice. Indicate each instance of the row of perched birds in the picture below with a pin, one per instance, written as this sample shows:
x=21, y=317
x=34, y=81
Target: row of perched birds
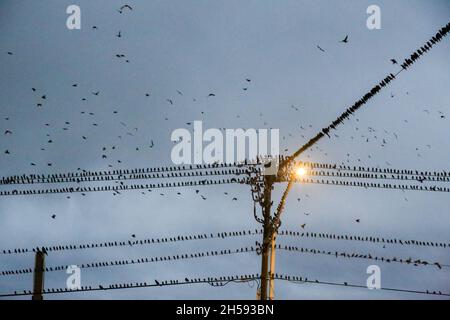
x=212, y=253
x=427, y=46
x=134, y=176
x=365, y=175
x=122, y=187
x=368, y=184
x=109, y=244
x=35, y=178
x=313, y=165
x=89, y=173
x=183, y=172
x=224, y=235
x=415, y=262
x=217, y=281
x=372, y=239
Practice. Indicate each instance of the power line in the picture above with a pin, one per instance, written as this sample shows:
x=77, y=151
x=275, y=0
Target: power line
x=223, y=252
x=24, y=178
x=123, y=187
x=367, y=185
x=422, y=173
x=130, y=243
x=132, y=176
x=342, y=254
x=216, y=282
x=126, y=262
x=198, y=170
x=375, y=176
x=224, y=235
x=372, y=239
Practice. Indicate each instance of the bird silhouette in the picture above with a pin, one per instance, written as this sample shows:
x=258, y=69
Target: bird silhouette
x=125, y=6
x=53, y=216
x=345, y=39
x=394, y=61
x=320, y=48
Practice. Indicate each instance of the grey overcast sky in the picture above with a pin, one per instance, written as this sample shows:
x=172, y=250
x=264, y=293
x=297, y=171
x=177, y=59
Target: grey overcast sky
x=199, y=47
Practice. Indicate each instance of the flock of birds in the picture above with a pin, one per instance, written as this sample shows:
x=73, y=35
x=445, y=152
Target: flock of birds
x=111, y=156
x=140, y=241
x=223, y=252
x=382, y=136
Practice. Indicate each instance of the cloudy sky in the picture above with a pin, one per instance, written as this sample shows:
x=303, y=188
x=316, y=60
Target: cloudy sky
x=202, y=47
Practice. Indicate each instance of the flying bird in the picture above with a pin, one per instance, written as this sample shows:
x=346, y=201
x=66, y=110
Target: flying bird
x=394, y=61
x=53, y=216
x=345, y=39
x=320, y=48
x=126, y=6
x=211, y=95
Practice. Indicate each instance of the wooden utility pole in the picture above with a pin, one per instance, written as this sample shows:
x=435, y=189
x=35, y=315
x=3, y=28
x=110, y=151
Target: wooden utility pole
x=267, y=235
x=38, y=278
x=270, y=231
x=272, y=267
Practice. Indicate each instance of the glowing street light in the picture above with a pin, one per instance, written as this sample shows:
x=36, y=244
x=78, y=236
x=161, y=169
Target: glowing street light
x=300, y=172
